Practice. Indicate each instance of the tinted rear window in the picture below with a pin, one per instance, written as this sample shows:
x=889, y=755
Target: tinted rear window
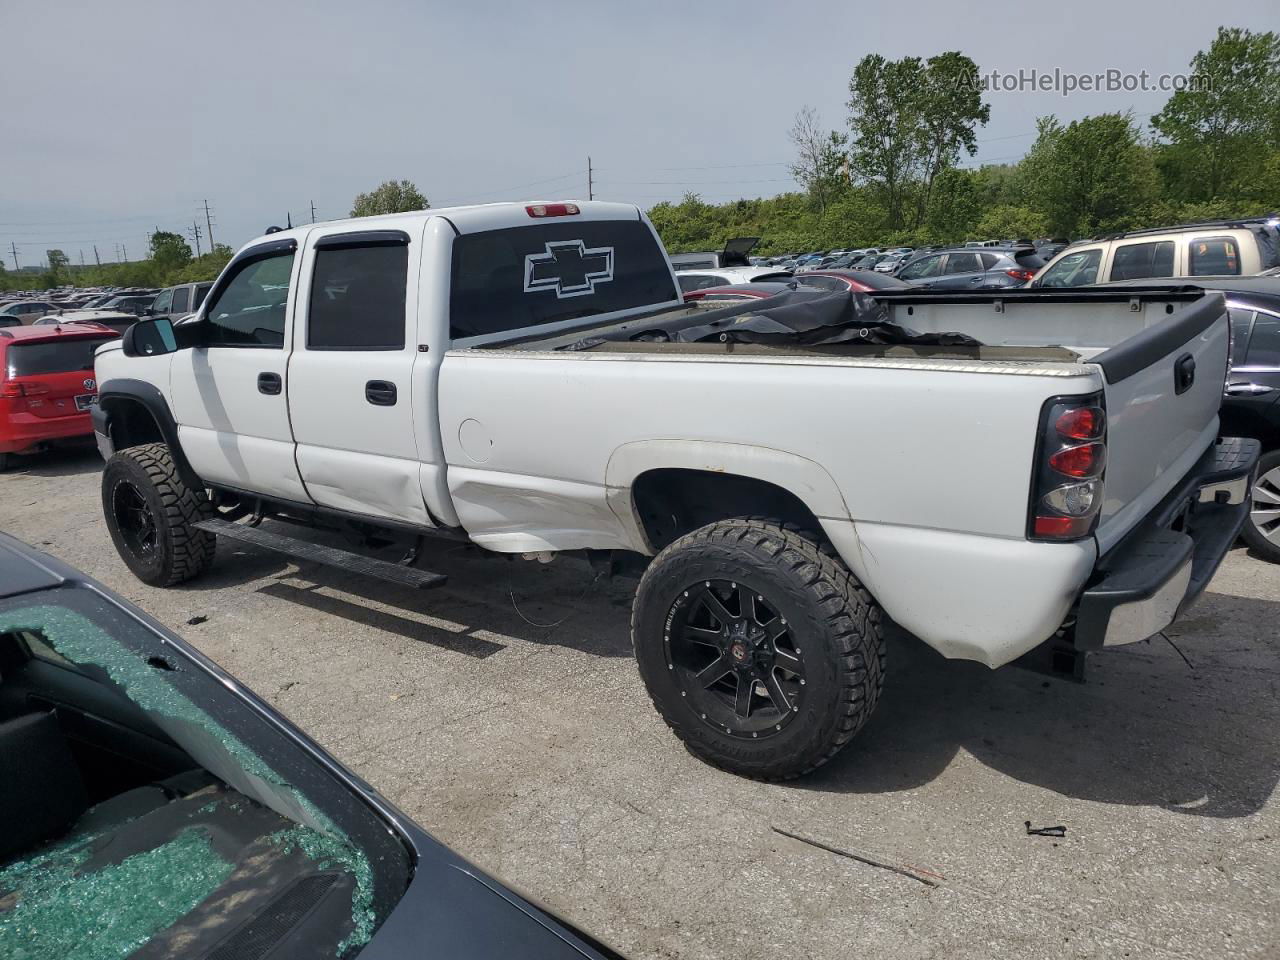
x=552, y=272
x=55, y=356
x=1137, y=261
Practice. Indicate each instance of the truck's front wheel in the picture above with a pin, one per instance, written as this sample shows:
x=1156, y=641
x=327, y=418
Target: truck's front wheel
x=758, y=647
x=150, y=512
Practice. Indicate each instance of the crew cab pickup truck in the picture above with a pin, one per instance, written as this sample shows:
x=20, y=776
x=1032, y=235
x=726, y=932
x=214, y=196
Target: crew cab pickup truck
x=995, y=472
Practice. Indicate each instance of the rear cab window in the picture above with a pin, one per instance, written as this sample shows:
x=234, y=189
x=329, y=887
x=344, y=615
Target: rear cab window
x=543, y=274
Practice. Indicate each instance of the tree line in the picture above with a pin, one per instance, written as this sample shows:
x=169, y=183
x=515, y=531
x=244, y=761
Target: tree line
x=893, y=175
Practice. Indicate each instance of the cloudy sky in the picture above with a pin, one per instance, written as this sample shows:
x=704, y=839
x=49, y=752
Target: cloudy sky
x=120, y=117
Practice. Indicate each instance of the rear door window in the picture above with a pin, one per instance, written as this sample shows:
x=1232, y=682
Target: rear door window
x=181, y=300
x=1214, y=256
x=52, y=356
x=202, y=291
x=545, y=273
x=1136, y=261
x=963, y=263
x=358, y=295
x=821, y=283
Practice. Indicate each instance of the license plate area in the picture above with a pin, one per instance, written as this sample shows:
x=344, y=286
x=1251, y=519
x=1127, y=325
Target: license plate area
x=84, y=401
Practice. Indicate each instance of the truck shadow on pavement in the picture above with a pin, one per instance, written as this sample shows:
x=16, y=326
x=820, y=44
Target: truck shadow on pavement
x=488, y=604
x=1146, y=729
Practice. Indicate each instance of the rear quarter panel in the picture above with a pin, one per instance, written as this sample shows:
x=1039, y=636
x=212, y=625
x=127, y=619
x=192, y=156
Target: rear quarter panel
x=927, y=444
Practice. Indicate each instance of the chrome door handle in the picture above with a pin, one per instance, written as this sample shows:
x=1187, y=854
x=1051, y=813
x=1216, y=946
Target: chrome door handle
x=1246, y=389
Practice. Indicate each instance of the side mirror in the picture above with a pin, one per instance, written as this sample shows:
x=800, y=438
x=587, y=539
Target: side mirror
x=149, y=337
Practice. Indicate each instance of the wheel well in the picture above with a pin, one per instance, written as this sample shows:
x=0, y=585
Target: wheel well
x=131, y=424
x=672, y=502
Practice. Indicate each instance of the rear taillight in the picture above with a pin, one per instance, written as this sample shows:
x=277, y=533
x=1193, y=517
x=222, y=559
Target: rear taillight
x=552, y=209
x=1071, y=456
x=11, y=388
x=1022, y=276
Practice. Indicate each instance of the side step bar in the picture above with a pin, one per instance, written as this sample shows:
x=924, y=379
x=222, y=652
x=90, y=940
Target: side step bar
x=329, y=556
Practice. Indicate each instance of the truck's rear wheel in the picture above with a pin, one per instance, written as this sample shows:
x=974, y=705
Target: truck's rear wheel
x=1262, y=531
x=150, y=512
x=759, y=649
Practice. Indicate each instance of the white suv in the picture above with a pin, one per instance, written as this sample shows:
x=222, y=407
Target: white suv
x=1215, y=249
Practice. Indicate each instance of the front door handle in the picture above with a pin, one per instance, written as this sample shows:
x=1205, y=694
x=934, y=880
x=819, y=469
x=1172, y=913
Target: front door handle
x=270, y=384
x=380, y=393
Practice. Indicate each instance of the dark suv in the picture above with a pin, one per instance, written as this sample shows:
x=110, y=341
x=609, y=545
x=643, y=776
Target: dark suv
x=972, y=268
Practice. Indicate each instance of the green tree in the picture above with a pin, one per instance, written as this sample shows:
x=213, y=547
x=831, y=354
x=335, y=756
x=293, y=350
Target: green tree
x=169, y=251
x=909, y=120
x=1215, y=133
x=58, y=261
x=884, y=127
x=1093, y=174
x=822, y=162
x=949, y=107
x=393, y=196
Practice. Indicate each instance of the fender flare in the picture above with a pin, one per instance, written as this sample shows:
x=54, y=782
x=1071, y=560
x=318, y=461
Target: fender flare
x=808, y=481
x=149, y=397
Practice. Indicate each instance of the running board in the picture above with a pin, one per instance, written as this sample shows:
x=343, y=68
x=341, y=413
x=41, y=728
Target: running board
x=329, y=556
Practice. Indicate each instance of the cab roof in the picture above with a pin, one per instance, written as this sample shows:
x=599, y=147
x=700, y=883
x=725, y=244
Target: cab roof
x=473, y=218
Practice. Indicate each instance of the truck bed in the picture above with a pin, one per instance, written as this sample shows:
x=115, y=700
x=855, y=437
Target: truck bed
x=1011, y=326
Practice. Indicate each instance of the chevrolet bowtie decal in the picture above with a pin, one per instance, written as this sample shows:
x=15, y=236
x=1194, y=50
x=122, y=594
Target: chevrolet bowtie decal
x=568, y=268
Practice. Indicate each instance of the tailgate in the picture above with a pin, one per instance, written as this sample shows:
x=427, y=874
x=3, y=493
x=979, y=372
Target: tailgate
x=1163, y=389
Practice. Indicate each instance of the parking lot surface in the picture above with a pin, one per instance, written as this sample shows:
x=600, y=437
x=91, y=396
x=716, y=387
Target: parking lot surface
x=505, y=714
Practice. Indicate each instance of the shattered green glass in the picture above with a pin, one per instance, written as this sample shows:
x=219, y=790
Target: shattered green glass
x=82, y=642
x=103, y=914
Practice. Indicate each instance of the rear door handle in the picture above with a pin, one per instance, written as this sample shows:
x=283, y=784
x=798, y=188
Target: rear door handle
x=270, y=384
x=1246, y=389
x=380, y=393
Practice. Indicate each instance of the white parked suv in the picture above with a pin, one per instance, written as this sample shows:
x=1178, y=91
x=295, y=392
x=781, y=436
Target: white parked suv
x=1217, y=248
x=789, y=473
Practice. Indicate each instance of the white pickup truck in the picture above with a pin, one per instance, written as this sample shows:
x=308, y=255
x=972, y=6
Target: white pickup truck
x=789, y=472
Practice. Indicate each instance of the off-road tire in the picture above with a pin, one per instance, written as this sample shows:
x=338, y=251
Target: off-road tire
x=801, y=578
x=1258, y=543
x=180, y=552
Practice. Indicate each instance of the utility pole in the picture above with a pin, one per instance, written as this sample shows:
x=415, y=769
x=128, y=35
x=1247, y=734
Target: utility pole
x=313, y=211
x=195, y=233
x=590, y=184
x=208, y=222
x=125, y=249
x=14, y=247
x=82, y=257
x=96, y=258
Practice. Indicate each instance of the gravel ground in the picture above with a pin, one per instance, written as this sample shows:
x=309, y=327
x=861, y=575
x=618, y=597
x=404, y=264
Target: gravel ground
x=505, y=714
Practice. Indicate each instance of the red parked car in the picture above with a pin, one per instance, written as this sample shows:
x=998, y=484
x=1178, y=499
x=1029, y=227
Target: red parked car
x=46, y=385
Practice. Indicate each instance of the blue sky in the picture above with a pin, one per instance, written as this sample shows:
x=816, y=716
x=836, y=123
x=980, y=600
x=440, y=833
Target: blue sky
x=125, y=116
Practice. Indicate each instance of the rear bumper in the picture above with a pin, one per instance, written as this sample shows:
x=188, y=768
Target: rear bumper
x=1150, y=577
x=24, y=431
